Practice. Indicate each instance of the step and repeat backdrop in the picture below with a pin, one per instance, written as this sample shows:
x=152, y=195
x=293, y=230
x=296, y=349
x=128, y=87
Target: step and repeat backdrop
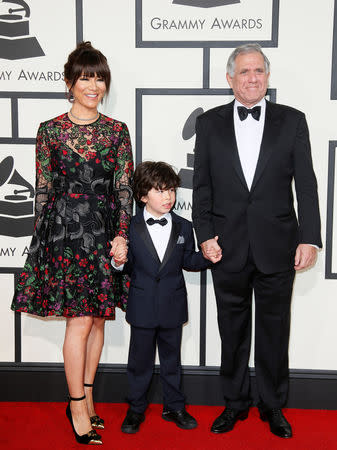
x=167, y=59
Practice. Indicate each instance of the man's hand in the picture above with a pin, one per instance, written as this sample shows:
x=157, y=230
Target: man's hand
x=211, y=250
x=119, y=250
x=305, y=256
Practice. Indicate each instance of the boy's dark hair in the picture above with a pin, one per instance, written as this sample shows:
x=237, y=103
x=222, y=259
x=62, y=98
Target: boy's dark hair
x=151, y=174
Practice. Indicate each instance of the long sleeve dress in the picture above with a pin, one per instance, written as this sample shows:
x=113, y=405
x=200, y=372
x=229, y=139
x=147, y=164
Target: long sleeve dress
x=83, y=200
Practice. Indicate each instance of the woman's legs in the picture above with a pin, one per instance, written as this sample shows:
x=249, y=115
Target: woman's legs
x=94, y=350
x=75, y=353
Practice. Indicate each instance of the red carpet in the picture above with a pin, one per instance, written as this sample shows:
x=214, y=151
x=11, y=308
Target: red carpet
x=44, y=426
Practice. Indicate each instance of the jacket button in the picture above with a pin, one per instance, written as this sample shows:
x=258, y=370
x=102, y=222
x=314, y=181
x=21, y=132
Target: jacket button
x=157, y=279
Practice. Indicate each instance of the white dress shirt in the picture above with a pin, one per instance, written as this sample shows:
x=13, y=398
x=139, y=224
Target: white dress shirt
x=248, y=135
x=160, y=234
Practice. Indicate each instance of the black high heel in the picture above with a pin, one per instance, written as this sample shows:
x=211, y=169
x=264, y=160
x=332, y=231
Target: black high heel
x=89, y=438
x=96, y=421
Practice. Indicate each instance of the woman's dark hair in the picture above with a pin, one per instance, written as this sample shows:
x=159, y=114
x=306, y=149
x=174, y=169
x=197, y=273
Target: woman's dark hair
x=150, y=174
x=89, y=61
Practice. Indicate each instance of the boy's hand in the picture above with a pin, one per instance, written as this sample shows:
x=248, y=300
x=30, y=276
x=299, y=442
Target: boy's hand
x=211, y=250
x=120, y=257
x=118, y=263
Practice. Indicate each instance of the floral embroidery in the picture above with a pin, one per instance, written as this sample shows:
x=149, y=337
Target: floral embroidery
x=83, y=200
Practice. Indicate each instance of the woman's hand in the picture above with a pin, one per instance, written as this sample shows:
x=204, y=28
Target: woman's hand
x=119, y=250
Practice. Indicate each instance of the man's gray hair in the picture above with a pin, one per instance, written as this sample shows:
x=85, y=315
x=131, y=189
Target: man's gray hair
x=246, y=48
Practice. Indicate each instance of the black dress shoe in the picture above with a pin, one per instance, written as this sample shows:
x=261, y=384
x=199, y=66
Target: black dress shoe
x=181, y=418
x=277, y=422
x=132, y=422
x=227, y=419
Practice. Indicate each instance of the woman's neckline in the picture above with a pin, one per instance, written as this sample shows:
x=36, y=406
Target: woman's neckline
x=86, y=123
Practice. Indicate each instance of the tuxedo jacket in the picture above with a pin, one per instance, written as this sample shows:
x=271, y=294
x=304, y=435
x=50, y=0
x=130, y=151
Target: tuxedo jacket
x=157, y=295
x=262, y=218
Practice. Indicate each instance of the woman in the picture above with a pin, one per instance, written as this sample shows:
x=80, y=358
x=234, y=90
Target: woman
x=83, y=208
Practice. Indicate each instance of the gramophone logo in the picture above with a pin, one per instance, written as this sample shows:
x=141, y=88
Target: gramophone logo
x=16, y=201
x=186, y=175
x=15, y=41
x=205, y=3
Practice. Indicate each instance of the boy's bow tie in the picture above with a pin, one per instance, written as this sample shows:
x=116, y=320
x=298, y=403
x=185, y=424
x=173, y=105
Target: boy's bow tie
x=152, y=221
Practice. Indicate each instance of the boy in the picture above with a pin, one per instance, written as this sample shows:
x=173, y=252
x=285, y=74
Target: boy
x=161, y=246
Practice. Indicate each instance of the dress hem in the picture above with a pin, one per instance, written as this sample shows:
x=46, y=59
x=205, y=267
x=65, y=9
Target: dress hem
x=61, y=314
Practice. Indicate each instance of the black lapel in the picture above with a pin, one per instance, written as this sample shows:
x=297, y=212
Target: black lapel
x=172, y=241
x=270, y=136
x=229, y=140
x=142, y=230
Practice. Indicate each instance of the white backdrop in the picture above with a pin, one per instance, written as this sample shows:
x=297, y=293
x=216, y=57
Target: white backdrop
x=301, y=61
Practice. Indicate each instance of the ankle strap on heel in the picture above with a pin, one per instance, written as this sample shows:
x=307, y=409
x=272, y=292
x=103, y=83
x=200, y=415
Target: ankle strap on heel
x=76, y=399
x=88, y=384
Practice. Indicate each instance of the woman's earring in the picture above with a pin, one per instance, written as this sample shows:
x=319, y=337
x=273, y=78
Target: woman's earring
x=70, y=96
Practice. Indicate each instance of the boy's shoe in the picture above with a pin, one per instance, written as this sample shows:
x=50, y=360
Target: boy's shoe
x=132, y=422
x=181, y=418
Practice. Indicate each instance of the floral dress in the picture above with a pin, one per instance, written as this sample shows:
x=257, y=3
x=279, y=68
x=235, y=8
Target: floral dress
x=83, y=200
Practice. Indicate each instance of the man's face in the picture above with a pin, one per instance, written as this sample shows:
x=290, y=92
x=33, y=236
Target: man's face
x=250, y=80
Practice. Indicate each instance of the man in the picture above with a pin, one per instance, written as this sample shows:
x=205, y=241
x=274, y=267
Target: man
x=247, y=155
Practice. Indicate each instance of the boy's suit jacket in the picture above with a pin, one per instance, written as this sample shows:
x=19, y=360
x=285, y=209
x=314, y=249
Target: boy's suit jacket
x=157, y=295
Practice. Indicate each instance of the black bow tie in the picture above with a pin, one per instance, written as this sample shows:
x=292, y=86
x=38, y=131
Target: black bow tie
x=255, y=112
x=152, y=221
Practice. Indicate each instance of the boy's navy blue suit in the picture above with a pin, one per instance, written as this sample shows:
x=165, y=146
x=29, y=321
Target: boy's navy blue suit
x=157, y=308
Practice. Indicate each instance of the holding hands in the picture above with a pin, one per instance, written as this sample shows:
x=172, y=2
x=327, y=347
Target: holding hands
x=119, y=250
x=211, y=250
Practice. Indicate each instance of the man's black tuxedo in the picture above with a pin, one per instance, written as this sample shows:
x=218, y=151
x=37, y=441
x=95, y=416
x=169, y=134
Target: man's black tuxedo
x=262, y=218
x=258, y=232
x=157, y=308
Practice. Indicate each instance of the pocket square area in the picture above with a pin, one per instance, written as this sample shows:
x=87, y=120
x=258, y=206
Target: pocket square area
x=181, y=240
